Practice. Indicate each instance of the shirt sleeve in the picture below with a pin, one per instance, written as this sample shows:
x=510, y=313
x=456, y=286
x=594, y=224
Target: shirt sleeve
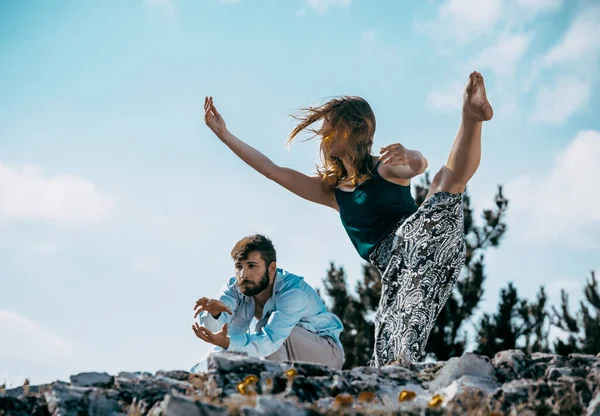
x=289, y=310
x=230, y=298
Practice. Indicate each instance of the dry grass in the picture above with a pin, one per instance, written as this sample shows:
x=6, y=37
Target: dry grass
x=136, y=408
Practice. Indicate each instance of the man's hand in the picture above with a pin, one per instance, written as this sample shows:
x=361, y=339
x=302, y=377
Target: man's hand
x=212, y=306
x=220, y=339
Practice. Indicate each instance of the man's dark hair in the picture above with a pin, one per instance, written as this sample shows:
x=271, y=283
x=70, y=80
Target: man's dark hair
x=256, y=242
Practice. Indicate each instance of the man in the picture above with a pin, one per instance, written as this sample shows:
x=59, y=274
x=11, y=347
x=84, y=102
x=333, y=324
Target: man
x=292, y=322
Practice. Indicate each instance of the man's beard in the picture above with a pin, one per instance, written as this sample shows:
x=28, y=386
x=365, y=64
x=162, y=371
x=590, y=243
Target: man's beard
x=252, y=289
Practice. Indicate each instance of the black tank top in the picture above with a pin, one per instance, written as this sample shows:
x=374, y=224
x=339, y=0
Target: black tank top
x=372, y=210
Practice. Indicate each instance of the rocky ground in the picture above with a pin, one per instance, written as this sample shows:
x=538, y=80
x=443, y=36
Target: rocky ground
x=512, y=383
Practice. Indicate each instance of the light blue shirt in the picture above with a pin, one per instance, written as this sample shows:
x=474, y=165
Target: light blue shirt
x=293, y=302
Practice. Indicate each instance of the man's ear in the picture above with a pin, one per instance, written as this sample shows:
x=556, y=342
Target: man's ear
x=272, y=269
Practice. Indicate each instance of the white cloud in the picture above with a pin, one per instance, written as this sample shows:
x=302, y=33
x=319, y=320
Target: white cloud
x=579, y=42
x=462, y=20
x=508, y=109
x=478, y=14
x=22, y=338
x=561, y=204
x=446, y=99
x=503, y=56
x=466, y=20
x=558, y=102
x=577, y=54
x=26, y=193
x=539, y=6
x=321, y=7
x=27, y=350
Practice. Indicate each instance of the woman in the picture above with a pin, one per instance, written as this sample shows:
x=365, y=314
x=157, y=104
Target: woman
x=419, y=252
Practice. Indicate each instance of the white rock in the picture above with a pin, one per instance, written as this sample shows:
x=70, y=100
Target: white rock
x=468, y=364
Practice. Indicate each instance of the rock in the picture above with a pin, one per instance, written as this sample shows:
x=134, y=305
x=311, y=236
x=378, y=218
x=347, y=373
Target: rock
x=308, y=390
x=144, y=387
x=579, y=387
x=227, y=362
x=594, y=406
x=399, y=374
x=468, y=364
x=544, y=397
x=510, y=365
x=594, y=376
x=183, y=406
x=553, y=373
x=537, y=357
x=586, y=358
x=513, y=383
x=341, y=385
x=102, y=403
x=133, y=375
x=469, y=402
x=26, y=391
x=175, y=375
x=92, y=380
x=517, y=391
x=23, y=406
x=538, y=363
x=470, y=382
x=270, y=406
x=65, y=400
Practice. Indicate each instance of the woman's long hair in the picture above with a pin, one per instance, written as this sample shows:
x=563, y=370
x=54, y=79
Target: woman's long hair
x=349, y=117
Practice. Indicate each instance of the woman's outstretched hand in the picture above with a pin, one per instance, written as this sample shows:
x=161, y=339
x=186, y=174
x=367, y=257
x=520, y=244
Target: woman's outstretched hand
x=395, y=154
x=212, y=118
x=402, y=162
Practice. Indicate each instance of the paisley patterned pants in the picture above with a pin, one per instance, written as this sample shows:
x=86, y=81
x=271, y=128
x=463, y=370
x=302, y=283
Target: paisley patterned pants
x=419, y=263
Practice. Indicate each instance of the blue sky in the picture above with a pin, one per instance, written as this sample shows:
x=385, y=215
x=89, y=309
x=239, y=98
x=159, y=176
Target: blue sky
x=118, y=207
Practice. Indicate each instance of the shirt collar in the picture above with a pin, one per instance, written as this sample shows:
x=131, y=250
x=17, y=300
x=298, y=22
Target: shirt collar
x=278, y=283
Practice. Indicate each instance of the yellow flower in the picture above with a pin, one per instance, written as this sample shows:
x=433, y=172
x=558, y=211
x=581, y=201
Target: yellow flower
x=406, y=395
x=344, y=400
x=242, y=388
x=366, y=396
x=435, y=401
x=251, y=379
x=245, y=387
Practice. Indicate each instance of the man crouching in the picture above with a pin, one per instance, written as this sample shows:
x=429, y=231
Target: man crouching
x=291, y=321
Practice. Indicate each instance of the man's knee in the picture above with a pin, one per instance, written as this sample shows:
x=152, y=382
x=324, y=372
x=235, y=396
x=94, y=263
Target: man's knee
x=306, y=346
x=281, y=354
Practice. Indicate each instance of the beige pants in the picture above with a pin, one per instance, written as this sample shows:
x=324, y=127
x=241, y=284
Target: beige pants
x=306, y=346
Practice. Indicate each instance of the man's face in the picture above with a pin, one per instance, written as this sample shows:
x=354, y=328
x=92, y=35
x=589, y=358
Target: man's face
x=252, y=274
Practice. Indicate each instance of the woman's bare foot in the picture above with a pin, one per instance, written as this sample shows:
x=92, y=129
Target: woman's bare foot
x=476, y=106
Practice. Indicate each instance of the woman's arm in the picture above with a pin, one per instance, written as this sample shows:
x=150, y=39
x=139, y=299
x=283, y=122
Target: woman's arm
x=401, y=162
x=307, y=187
